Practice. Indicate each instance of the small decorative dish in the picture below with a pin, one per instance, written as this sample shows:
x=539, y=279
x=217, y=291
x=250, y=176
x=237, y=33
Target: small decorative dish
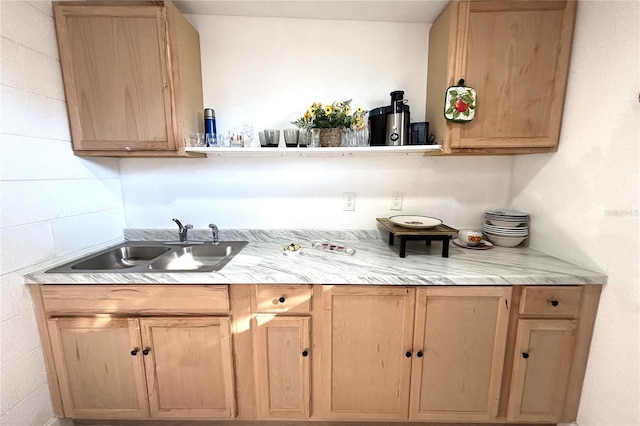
x=483, y=245
x=292, y=249
x=416, y=222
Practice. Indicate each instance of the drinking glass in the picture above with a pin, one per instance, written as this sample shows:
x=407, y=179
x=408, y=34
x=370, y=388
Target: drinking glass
x=291, y=137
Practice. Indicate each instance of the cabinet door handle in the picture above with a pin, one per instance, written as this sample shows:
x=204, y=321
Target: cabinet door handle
x=146, y=351
x=408, y=354
x=554, y=303
x=281, y=299
x=419, y=354
x=305, y=353
x=134, y=352
x=525, y=355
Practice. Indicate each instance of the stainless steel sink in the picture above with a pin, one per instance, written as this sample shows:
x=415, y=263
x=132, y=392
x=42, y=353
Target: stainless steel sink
x=198, y=258
x=122, y=257
x=152, y=256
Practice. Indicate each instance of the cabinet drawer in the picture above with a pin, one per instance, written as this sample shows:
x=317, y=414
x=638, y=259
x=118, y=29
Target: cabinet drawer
x=550, y=301
x=281, y=298
x=138, y=299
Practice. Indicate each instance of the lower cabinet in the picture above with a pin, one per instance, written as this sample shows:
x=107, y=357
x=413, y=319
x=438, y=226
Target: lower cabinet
x=459, y=339
x=366, y=352
x=379, y=363
x=282, y=365
x=544, y=349
x=371, y=353
x=144, y=367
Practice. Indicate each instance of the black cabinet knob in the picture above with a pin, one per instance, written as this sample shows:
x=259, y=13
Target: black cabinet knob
x=525, y=355
x=554, y=303
x=305, y=353
x=134, y=352
x=281, y=299
x=408, y=354
x=146, y=351
x=420, y=354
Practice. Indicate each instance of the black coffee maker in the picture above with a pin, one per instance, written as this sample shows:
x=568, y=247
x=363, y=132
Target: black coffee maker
x=389, y=125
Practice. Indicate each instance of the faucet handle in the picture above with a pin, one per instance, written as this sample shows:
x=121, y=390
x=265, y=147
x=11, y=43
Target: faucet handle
x=215, y=233
x=188, y=226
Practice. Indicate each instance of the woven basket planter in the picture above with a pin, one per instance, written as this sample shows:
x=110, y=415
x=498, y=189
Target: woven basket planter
x=330, y=137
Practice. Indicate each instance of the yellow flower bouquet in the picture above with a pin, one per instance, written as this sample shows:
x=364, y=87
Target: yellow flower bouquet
x=333, y=116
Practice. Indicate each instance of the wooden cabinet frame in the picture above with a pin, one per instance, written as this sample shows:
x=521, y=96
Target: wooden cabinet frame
x=520, y=84
x=132, y=77
x=325, y=331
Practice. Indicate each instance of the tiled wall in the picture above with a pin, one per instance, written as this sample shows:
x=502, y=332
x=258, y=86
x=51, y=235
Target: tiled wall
x=53, y=203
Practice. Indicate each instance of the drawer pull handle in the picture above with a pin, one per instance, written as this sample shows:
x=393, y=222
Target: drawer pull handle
x=134, y=352
x=281, y=299
x=554, y=303
x=146, y=351
x=305, y=353
x=408, y=354
x=525, y=355
x=419, y=354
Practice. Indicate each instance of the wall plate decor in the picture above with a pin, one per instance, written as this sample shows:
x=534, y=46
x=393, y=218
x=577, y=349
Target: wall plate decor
x=460, y=103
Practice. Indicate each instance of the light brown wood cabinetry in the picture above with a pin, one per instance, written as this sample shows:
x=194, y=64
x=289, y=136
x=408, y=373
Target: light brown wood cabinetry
x=541, y=368
x=116, y=363
x=553, y=331
x=516, y=55
x=447, y=365
x=99, y=374
x=486, y=354
x=131, y=75
x=189, y=367
x=283, y=369
x=281, y=327
x=366, y=352
x=460, y=336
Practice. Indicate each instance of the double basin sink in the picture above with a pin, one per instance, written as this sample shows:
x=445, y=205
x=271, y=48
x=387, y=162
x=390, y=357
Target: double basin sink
x=156, y=256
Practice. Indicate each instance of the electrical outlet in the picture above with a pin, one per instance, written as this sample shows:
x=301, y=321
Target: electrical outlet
x=349, y=201
x=396, y=201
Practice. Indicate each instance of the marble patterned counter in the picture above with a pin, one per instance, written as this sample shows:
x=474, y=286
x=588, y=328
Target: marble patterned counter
x=374, y=263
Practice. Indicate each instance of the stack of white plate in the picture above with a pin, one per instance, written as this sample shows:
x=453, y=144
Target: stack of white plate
x=506, y=228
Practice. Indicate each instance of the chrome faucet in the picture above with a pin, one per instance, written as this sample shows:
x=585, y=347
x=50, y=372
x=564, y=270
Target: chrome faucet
x=182, y=230
x=215, y=232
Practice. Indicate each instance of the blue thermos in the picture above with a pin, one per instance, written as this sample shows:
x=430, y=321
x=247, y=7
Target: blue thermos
x=210, y=124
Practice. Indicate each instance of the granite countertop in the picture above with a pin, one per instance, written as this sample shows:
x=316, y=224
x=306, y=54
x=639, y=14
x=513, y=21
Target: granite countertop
x=374, y=262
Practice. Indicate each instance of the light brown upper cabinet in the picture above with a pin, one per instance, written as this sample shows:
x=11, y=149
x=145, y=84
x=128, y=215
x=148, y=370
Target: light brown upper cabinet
x=131, y=75
x=516, y=54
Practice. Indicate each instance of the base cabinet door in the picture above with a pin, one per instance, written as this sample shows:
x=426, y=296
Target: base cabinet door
x=282, y=364
x=366, y=352
x=544, y=349
x=100, y=367
x=189, y=367
x=460, y=336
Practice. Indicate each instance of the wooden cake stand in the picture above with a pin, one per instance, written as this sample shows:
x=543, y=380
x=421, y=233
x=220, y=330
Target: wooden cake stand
x=438, y=233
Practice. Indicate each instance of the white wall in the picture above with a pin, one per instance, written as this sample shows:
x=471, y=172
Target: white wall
x=584, y=199
x=52, y=203
x=268, y=71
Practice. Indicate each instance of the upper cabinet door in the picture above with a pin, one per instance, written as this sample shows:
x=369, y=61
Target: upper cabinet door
x=516, y=55
x=115, y=69
x=460, y=337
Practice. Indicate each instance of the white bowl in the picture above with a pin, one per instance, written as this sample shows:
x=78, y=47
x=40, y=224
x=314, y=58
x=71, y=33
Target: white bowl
x=505, y=241
x=505, y=223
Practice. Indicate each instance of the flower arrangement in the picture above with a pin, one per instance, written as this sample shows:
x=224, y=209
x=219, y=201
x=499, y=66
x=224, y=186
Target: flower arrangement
x=334, y=116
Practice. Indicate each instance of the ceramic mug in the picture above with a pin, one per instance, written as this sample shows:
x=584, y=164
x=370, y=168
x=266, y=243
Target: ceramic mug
x=469, y=237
